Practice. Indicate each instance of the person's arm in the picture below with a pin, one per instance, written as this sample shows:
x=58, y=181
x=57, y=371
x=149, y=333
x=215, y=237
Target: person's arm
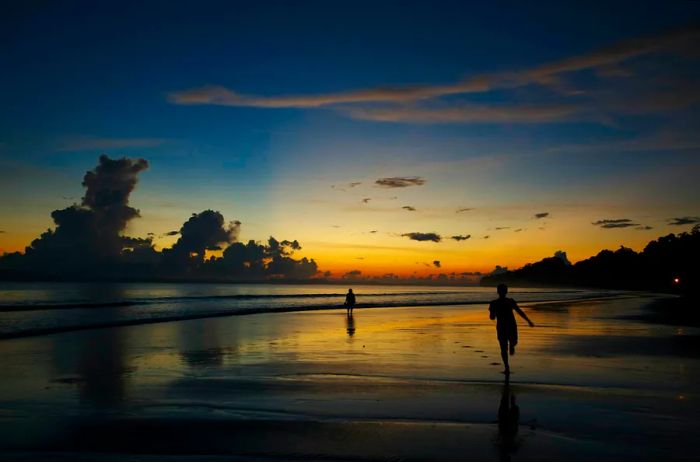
x=522, y=314
x=492, y=312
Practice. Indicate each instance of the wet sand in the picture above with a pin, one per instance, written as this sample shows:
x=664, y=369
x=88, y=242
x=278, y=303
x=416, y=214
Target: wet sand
x=593, y=381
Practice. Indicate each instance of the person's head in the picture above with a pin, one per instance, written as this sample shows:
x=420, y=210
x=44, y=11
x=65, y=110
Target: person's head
x=350, y=291
x=502, y=290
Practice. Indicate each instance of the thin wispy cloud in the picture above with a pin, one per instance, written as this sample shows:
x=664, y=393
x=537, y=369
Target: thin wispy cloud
x=400, y=181
x=602, y=61
x=541, y=215
x=461, y=237
x=610, y=223
x=505, y=113
x=409, y=208
x=680, y=221
x=465, y=209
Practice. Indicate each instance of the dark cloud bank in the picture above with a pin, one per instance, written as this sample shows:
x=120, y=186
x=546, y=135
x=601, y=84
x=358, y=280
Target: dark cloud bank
x=87, y=242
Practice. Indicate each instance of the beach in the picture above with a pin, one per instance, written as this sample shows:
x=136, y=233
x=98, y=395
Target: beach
x=594, y=380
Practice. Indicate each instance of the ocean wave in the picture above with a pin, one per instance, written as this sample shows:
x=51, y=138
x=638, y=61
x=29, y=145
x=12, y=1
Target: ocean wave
x=166, y=317
x=80, y=304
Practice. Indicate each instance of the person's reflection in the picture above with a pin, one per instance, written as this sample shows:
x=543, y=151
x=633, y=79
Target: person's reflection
x=200, y=346
x=95, y=359
x=508, y=420
x=350, y=325
x=103, y=368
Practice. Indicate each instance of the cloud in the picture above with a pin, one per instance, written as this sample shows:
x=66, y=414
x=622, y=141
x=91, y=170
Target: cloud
x=541, y=215
x=400, y=181
x=203, y=231
x=504, y=113
x=499, y=228
x=436, y=263
x=373, y=231
x=90, y=232
x=409, y=208
x=644, y=228
x=610, y=223
x=352, y=274
x=354, y=183
x=85, y=143
x=171, y=233
x=518, y=230
x=601, y=60
x=222, y=96
x=422, y=237
x=466, y=209
x=487, y=236
x=87, y=241
x=680, y=221
x=366, y=200
x=460, y=237
x=282, y=265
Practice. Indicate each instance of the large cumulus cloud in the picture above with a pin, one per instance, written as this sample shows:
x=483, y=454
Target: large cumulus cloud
x=88, y=235
x=88, y=242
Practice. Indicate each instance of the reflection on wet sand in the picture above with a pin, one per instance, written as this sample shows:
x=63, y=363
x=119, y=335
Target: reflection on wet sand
x=201, y=347
x=426, y=379
x=94, y=360
x=350, y=325
x=508, y=422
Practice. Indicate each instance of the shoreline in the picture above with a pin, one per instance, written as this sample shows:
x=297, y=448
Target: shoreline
x=289, y=309
x=386, y=384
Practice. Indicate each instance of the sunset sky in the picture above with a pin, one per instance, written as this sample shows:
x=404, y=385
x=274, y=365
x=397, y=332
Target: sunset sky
x=374, y=133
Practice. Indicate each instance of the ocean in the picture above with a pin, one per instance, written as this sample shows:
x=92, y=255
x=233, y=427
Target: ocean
x=41, y=308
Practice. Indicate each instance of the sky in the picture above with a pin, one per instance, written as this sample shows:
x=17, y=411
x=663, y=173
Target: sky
x=378, y=134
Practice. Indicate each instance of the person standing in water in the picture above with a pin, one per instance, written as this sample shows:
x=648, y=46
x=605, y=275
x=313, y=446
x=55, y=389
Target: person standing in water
x=501, y=310
x=350, y=301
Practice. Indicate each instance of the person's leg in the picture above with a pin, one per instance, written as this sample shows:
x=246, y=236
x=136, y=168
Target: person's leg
x=504, y=353
x=513, y=341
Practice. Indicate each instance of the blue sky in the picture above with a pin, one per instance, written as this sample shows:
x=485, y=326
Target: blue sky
x=611, y=140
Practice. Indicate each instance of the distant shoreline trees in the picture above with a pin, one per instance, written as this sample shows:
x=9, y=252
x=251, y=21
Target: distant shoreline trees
x=667, y=264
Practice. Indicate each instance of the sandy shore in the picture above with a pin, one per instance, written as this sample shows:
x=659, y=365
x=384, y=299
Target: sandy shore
x=591, y=381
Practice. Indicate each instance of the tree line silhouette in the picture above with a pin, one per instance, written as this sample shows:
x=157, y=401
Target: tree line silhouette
x=667, y=264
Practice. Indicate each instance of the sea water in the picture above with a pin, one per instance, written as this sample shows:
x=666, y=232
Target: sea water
x=40, y=308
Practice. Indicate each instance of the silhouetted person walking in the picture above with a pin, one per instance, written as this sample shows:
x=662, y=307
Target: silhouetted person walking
x=501, y=310
x=350, y=301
